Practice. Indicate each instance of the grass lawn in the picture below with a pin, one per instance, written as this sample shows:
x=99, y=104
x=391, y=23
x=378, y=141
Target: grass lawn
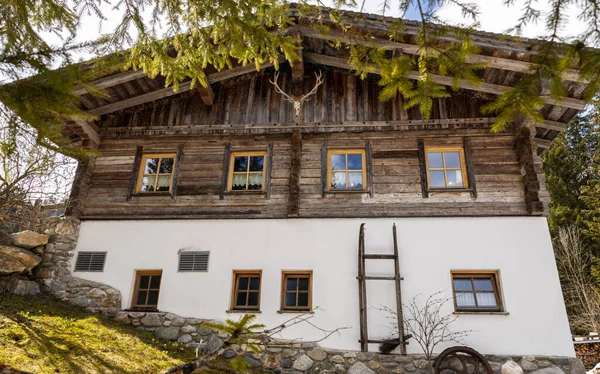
x=42, y=335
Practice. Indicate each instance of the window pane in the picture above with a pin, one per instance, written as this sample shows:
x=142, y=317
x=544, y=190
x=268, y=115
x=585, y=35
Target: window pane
x=243, y=285
x=452, y=159
x=239, y=182
x=144, y=281
x=486, y=300
x=240, y=163
x=465, y=300
x=255, y=181
x=303, y=299
x=483, y=285
x=155, y=281
x=253, y=299
x=303, y=284
x=257, y=163
x=462, y=284
x=152, y=297
x=354, y=162
x=164, y=183
x=151, y=166
x=290, y=299
x=254, y=283
x=434, y=160
x=141, y=298
x=148, y=184
x=454, y=178
x=338, y=162
x=292, y=284
x=166, y=166
x=436, y=178
x=355, y=180
x=241, y=299
x=338, y=180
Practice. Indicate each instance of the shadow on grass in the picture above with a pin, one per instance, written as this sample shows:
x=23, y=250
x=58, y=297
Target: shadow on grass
x=69, y=339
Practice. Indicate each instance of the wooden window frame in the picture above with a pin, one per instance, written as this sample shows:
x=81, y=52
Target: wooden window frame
x=142, y=167
x=136, y=289
x=463, y=167
x=285, y=274
x=232, y=156
x=234, y=291
x=346, y=151
x=494, y=275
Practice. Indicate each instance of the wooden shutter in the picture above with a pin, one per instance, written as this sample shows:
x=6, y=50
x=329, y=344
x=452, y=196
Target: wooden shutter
x=423, y=167
x=225, y=171
x=269, y=167
x=90, y=261
x=176, y=170
x=369, y=166
x=193, y=261
x=134, y=173
x=323, y=168
x=470, y=168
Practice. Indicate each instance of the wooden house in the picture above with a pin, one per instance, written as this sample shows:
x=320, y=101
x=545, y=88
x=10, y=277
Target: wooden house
x=209, y=202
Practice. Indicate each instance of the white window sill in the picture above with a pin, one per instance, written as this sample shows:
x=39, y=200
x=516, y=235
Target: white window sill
x=482, y=313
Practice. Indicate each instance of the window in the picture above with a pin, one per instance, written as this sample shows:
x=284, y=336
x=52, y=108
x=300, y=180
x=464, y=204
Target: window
x=296, y=291
x=147, y=287
x=476, y=291
x=246, y=290
x=346, y=170
x=246, y=171
x=193, y=261
x=90, y=261
x=446, y=167
x=156, y=173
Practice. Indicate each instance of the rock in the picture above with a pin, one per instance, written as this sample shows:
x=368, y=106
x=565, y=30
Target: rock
x=122, y=318
x=288, y=353
x=527, y=363
x=409, y=367
x=26, y=287
x=373, y=365
x=303, y=363
x=168, y=333
x=64, y=228
x=349, y=354
x=229, y=354
x=511, y=367
x=136, y=315
x=96, y=293
x=339, y=369
x=184, y=339
x=423, y=364
x=560, y=360
x=203, y=330
x=151, y=319
x=360, y=368
x=29, y=239
x=214, y=343
x=496, y=367
x=317, y=354
x=286, y=363
x=337, y=359
x=5, y=238
x=576, y=366
x=544, y=364
x=307, y=345
x=185, y=329
x=17, y=260
x=252, y=361
x=549, y=370
x=270, y=360
x=321, y=368
x=398, y=371
x=178, y=321
x=403, y=359
x=80, y=301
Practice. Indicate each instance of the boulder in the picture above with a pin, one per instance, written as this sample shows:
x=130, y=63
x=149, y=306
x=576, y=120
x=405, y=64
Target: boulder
x=214, y=343
x=317, y=354
x=26, y=287
x=304, y=363
x=360, y=368
x=17, y=260
x=65, y=228
x=576, y=366
x=549, y=370
x=511, y=367
x=270, y=360
x=337, y=359
x=29, y=239
x=168, y=333
x=151, y=319
x=184, y=339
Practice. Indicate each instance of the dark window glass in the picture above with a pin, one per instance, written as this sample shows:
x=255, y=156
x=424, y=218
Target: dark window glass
x=240, y=163
x=303, y=299
x=354, y=162
x=254, y=283
x=243, y=283
x=152, y=297
x=303, y=284
x=253, y=299
x=144, y=280
x=256, y=163
x=166, y=166
x=461, y=284
x=241, y=299
x=290, y=299
x=292, y=284
x=141, y=299
x=155, y=281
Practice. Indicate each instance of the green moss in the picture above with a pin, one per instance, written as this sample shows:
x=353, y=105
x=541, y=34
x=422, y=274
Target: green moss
x=42, y=335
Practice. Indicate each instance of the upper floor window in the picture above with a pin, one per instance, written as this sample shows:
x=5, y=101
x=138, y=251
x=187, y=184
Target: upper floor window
x=246, y=171
x=156, y=173
x=446, y=167
x=346, y=169
x=476, y=291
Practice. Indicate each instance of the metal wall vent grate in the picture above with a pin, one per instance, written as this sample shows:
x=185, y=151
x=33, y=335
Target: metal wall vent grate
x=90, y=261
x=193, y=261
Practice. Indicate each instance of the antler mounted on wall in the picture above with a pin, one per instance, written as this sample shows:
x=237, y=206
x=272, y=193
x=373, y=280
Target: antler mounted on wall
x=298, y=101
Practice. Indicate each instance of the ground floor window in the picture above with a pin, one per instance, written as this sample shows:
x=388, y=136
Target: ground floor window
x=296, y=292
x=147, y=287
x=246, y=290
x=476, y=291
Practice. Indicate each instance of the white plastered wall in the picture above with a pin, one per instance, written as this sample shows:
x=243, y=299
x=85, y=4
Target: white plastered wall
x=519, y=247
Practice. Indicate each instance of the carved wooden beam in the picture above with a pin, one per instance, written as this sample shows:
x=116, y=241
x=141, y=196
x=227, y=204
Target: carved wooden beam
x=206, y=94
x=413, y=49
x=494, y=89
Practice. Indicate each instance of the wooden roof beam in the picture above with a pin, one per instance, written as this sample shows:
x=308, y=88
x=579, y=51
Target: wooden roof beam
x=490, y=88
x=552, y=125
x=112, y=80
x=206, y=94
x=543, y=143
x=413, y=49
x=168, y=91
